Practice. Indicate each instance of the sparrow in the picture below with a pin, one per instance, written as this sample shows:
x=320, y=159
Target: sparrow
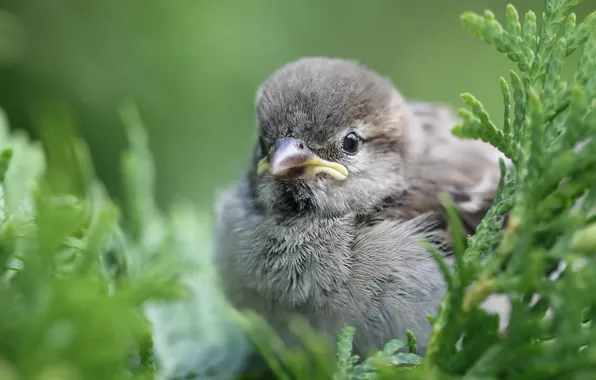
x=331, y=220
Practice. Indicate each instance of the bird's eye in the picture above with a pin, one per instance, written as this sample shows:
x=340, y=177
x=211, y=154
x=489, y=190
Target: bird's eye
x=351, y=143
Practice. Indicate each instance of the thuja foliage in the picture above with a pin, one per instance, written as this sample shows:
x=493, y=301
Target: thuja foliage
x=73, y=281
x=542, y=259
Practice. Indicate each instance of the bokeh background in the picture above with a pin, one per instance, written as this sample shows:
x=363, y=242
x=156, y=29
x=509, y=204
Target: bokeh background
x=192, y=68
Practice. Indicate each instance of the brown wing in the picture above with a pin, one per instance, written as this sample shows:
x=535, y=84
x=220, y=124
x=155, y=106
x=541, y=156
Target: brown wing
x=467, y=170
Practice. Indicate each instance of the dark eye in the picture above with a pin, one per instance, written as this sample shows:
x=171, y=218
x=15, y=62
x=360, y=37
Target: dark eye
x=351, y=143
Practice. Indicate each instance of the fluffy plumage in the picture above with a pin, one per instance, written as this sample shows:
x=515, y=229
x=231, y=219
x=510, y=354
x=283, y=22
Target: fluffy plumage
x=347, y=252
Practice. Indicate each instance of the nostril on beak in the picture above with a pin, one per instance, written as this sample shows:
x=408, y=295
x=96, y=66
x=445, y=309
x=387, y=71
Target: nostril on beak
x=300, y=145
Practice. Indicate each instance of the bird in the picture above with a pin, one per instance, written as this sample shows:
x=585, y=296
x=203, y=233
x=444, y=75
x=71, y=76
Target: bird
x=332, y=218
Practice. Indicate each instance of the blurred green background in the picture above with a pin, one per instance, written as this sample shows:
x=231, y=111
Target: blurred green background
x=193, y=66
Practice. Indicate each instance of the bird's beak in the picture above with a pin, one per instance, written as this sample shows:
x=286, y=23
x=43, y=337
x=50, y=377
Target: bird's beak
x=291, y=159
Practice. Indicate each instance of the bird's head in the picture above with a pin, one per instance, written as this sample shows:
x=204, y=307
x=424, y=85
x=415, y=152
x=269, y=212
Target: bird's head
x=333, y=137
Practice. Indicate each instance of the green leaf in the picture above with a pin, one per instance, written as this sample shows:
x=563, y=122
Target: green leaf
x=585, y=240
x=412, y=346
x=344, y=346
x=507, y=126
x=5, y=158
x=138, y=172
x=405, y=359
x=581, y=33
x=529, y=39
x=393, y=346
x=513, y=24
x=474, y=23
x=477, y=125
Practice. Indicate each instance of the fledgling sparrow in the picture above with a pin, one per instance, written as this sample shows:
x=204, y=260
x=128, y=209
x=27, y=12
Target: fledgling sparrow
x=343, y=186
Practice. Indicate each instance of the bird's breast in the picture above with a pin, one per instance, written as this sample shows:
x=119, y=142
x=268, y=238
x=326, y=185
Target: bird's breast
x=290, y=260
x=304, y=261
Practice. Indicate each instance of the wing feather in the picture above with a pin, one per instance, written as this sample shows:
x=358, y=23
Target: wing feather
x=466, y=170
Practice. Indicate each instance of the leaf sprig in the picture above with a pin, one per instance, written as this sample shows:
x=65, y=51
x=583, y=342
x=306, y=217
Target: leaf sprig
x=547, y=194
x=64, y=314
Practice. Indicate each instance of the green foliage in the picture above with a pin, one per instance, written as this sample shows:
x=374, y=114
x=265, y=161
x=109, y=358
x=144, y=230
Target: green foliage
x=548, y=193
x=382, y=363
x=64, y=315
